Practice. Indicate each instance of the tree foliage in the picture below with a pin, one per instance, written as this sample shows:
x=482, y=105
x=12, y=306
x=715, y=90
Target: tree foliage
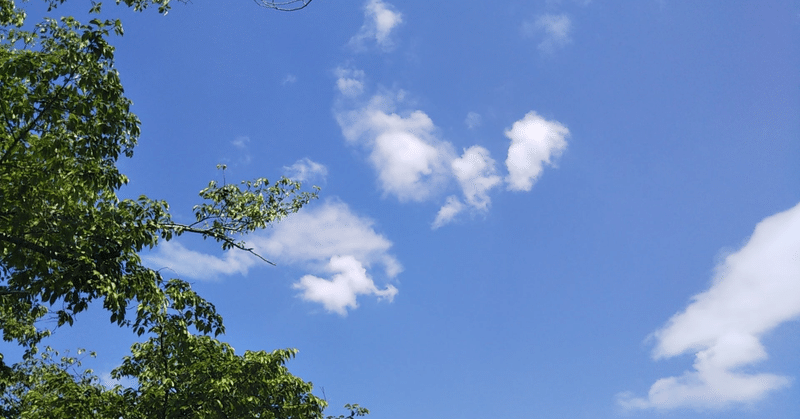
x=67, y=240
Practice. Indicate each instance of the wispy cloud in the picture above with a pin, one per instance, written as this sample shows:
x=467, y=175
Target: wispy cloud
x=555, y=28
x=289, y=79
x=447, y=213
x=754, y=290
x=535, y=142
x=380, y=18
x=306, y=170
x=473, y=120
x=349, y=81
x=242, y=146
x=184, y=262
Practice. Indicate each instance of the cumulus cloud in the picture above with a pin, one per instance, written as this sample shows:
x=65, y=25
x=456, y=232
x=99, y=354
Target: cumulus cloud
x=412, y=163
x=315, y=234
x=306, y=170
x=535, y=142
x=447, y=213
x=556, y=30
x=380, y=19
x=349, y=279
x=477, y=175
x=754, y=290
x=331, y=240
x=350, y=82
x=174, y=256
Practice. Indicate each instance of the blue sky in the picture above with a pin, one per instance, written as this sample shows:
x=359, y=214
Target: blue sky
x=544, y=209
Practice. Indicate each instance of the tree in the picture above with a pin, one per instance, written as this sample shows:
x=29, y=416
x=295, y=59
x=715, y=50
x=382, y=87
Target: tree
x=67, y=240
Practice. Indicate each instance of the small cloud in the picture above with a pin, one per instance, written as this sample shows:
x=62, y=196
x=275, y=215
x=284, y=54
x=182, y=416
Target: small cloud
x=754, y=290
x=535, y=142
x=556, y=30
x=404, y=149
x=473, y=120
x=350, y=82
x=476, y=173
x=241, y=144
x=349, y=280
x=305, y=170
x=448, y=212
x=289, y=79
x=379, y=21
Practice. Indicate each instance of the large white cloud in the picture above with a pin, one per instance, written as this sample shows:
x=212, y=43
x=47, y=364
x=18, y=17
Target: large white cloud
x=754, y=290
x=380, y=19
x=535, y=142
x=412, y=163
x=326, y=239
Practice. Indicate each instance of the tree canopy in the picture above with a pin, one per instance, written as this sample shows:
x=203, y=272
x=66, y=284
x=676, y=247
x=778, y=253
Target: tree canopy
x=67, y=240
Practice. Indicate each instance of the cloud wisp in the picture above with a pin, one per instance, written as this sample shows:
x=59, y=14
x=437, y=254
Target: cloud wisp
x=380, y=19
x=306, y=170
x=754, y=290
x=556, y=28
x=189, y=263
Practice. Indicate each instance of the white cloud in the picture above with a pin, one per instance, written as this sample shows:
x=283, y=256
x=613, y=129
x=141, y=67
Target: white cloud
x=349, y=280
x=350, y=82
x=412, y=163
x=473, y=120
x=330, y=239
x=326, y=239
x=317, y=233
x=477, y=175
x=754, y=290
x=556, y=30
x=174, y=256
x=380, y=19
x=305, y=170
x=535, y=142
x=448, y=212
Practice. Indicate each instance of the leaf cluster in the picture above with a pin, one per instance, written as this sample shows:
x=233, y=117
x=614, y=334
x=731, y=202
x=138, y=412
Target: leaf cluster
x=67, y=240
